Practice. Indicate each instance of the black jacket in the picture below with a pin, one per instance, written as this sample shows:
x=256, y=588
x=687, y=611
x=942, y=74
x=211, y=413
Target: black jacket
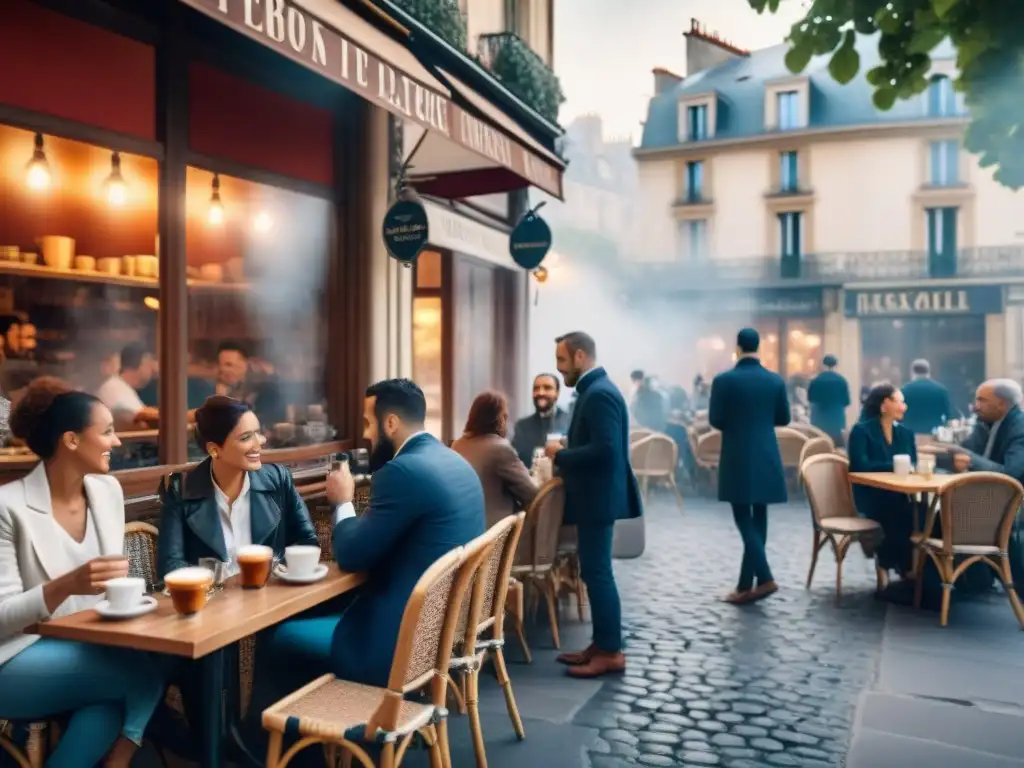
x=190, y=526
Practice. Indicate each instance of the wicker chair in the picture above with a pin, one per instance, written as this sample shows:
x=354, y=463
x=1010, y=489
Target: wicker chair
x=977, y=513
x=655, y=457
x=34, y=753
x=808, y=430
x=488, y=605
x=537, y=556
x=835, y=518
x=639, y=433
x=337, y=713
x=140, y=545
x=707, y=455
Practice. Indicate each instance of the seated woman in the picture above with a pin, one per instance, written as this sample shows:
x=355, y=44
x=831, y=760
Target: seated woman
x=232, y=499
x=872, y=444
x=61, y=539
x=484, y=444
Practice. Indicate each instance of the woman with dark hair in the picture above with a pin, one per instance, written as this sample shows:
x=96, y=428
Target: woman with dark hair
x=61, y=540
x=232, y=499
x=485, y=446
x=871, y=446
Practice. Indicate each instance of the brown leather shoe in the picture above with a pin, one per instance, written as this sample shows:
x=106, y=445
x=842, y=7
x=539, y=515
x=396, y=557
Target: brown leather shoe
x=600, y=664
x=576, y=658
x=761, y=591
x=737, y=598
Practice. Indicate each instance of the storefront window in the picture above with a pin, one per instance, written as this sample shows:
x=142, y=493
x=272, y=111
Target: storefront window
x=427, y=338
x=78, y=278
x=257, y=261
x=716, y=347
x=803, y=348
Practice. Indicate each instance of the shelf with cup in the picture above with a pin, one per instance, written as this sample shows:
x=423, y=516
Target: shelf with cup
x=96, y=276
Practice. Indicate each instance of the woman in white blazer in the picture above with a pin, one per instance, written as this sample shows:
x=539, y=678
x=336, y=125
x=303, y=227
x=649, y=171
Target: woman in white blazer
x=61, y=539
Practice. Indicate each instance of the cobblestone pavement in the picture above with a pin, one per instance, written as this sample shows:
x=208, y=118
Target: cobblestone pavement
x=713, y=684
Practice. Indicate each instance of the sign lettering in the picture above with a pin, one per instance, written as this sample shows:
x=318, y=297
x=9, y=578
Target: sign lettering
x=306, y=40
x=984, y=299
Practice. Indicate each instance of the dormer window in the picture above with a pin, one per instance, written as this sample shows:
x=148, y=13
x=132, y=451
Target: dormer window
x=697, y=122
x=697, y=117
x=786, y=104
x=942, y=100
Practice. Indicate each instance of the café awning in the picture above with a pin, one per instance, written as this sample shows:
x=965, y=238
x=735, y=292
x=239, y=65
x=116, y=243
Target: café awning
x=465, y=144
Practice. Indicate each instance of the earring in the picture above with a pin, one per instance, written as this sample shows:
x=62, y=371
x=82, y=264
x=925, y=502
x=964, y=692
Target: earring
x=213, y=454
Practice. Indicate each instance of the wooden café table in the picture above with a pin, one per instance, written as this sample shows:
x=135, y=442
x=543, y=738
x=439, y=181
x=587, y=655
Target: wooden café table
x=230, y=615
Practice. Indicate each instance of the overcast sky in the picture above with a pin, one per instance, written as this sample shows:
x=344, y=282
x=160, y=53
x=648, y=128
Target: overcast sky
x=605, y=49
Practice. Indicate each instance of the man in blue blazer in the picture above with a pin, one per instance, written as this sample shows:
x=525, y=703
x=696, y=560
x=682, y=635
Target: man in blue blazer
x=747, y=404
x=425, y=500
x=927, y=400
x=600, y=488
x=829, y=396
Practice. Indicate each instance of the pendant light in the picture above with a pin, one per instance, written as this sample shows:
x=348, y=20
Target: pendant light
x=216, y=213
x=37, y=172
x=117, y=191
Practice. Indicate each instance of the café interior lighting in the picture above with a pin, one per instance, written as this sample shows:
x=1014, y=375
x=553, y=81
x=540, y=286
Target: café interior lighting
x=37, y=172
x=540, y=274
x=216, y=213
x=262, y=223
x=152, y=302
x=117, y=190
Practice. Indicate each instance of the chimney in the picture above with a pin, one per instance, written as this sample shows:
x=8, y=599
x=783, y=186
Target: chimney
x=706, y=49
x=664, y=80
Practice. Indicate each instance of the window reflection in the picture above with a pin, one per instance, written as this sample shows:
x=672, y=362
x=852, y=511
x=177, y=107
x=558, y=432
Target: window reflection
x=257, y=261
x=78, y=277
x=426, y=361
x=803, y=347
x=716, y=347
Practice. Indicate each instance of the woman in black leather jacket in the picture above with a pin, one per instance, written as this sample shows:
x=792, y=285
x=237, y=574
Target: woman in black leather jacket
x=232, y=499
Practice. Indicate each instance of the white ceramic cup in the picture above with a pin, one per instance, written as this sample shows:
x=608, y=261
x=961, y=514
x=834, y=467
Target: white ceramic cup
x=901, y=464
x=301, y=559
x=926, y=464
x=125, y=593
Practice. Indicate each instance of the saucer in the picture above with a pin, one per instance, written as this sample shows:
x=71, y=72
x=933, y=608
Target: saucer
x=146, y=605
x=281, y=572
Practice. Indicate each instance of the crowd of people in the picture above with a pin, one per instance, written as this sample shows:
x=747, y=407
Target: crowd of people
x=62, y=539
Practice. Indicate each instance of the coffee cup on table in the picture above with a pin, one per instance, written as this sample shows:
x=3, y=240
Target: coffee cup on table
x=926, y=464
x=301, y=560
x=125, y=593
x=189, y=588
x=254, y=564
x=901, y=464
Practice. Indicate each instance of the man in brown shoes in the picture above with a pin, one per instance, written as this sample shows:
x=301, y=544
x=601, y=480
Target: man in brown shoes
x=600, y=488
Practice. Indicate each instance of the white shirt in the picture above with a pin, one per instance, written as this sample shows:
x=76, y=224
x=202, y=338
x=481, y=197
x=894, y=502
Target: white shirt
x=80, y=552
x=118, y=395
x=235, y=521
x=347, y=510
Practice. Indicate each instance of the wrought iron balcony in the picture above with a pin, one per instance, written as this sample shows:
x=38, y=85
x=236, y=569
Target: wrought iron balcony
x=522, y=71
x=994, y=262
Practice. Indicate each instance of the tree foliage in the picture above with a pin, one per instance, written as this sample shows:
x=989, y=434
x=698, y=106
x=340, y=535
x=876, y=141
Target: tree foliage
x=988, y=36
x=442, y=17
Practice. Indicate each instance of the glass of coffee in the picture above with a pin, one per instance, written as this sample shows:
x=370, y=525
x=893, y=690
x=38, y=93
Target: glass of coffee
x=254, y=564
x=189, y=589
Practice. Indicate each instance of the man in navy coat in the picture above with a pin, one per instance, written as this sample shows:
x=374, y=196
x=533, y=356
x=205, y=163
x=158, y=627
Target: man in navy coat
x=747, y=404
x=600, y=488
x=927, y=400
x=829, y=396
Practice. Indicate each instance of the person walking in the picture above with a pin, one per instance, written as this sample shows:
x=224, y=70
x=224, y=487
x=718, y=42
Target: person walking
x=829, y=396
x=747, y=404
x=600, y=488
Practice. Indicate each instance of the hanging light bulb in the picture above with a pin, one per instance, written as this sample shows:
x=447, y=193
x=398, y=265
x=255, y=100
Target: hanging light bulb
x=117, y=190
x=540, y=274
x=262, y=223
x=216, y=213
x=37, y=172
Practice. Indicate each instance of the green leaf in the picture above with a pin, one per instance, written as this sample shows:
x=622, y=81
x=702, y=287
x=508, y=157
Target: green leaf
x=773, y=5
x=924, y=40
x=884, y=98
x=878, y=76
x=798, y=57
x=943, y=7
x=887, y=21
x=758, y=5
x=968, y=51
x=846, y=61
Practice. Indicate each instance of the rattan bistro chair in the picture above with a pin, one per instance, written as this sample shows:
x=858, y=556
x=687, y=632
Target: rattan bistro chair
x=337, y=713
x=34, y=753
x=836, y=522
x=536, y=563
x=655, y=457
x=977, y=512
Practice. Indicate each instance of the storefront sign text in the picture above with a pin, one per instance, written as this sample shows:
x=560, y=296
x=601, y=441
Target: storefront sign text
x=978, y=300
x=452, y=230
x=305, y=39
x=530, y=241
x=405, y=230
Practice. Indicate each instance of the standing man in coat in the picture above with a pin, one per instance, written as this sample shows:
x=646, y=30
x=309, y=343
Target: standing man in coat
x=829, y=396
x=927, y=400
x=600, y=488
x=747, y=404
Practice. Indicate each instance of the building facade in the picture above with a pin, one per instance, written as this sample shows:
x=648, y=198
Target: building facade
x=793, y=204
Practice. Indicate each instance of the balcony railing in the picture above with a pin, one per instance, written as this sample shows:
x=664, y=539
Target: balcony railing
x=522, y=71
x=994, y=262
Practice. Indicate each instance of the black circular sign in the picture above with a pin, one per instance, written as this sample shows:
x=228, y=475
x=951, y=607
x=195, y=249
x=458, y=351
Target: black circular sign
x=530, y=241
x=405, y=230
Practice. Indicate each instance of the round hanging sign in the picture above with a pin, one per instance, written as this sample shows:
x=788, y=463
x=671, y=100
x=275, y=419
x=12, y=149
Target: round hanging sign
x=530, y=241
x=405, y=230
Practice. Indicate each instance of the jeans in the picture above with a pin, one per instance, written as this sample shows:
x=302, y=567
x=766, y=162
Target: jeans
x=752, y=523
x=107, y=691
x=595, y=548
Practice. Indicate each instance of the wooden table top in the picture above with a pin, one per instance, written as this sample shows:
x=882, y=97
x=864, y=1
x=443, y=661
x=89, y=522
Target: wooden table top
x=228, y=617
x=913, y=483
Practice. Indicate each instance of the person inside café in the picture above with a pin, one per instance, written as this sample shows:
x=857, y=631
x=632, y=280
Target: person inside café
x=871, y=446
x=231, y=499
x=120, y=392
x=237, y=378
x=531, y=432
x=505, y=479
x=425, y=500
x=928, y=404
x=61, y=540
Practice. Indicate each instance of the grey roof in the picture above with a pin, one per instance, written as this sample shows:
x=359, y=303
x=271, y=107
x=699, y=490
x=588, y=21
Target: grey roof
x=740, y=85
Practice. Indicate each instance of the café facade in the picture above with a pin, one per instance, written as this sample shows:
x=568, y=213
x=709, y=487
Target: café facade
x=185, y=176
